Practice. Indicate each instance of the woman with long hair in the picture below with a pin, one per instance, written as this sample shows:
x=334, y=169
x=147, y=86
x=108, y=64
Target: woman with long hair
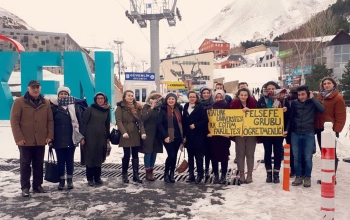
x=195, y=124
x=67, y=121
x=152, y=144
x=207, y=101
x=335, y=110
x=170, y=131
x=96, y=120
x=219, y=145
x=245, y=146
x=128, y=119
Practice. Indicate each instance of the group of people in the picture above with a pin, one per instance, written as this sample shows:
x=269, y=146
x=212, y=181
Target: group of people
x=162, y=121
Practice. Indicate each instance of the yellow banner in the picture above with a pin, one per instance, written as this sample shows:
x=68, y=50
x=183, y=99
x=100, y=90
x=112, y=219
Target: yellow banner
x=254, y=122
x=176, y=85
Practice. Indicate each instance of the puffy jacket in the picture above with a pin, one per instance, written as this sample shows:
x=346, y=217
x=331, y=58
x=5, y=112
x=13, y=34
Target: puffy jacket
x=303, y=114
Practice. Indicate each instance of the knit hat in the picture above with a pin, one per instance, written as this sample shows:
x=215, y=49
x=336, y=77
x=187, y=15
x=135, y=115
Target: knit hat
x=63, y=89
x=170, y=95
x=219, y=92
x=203, y=89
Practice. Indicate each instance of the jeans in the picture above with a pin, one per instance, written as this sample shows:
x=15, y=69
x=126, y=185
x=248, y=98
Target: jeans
x=272, y=144
x=65, y=158
x=31, y=155
x=303, y=145
x=172, y=148
x=150, y=160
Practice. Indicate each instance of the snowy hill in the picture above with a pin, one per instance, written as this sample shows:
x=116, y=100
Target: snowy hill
x=250, y=20
x=9, y=20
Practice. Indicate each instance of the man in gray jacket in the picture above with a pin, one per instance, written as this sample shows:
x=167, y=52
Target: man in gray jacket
x=301, y=125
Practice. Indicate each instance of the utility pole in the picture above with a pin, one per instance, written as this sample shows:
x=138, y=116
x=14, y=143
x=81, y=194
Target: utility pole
x=141, y=13
x=120, y=55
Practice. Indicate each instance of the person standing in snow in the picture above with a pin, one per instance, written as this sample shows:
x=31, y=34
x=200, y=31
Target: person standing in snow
x=335, y=111
x=220, y=86
x=219, y=145
x=195, y=124
x=129, y=122
x=32, y=127
x=303, y=111
x=245, y=146
x=273, y=144
x=95, y=129
x=67, y=118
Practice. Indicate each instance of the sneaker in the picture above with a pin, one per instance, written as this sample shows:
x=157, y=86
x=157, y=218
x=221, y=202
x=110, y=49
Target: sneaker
x=40, y=189
x=91, y=183
x=25, y=192
x=307, y=181
x=298, y=181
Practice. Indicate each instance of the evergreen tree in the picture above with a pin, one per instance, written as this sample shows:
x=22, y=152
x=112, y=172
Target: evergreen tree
x=318, y=72
x=344, y=86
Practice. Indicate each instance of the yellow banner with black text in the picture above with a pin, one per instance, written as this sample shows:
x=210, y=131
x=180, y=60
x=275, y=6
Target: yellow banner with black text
x=253, y=122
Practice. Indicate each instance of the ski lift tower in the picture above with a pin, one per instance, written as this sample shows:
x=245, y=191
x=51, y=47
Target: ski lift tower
x=154, y=12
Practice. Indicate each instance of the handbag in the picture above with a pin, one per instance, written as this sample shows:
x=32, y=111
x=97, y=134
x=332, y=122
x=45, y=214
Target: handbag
x=51, y=168
x=115, y=136
x=184, y=164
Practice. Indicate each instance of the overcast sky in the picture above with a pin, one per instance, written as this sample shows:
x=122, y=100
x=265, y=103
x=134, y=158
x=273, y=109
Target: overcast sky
x=97, y=23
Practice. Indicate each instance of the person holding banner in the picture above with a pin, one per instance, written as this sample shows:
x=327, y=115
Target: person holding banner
x=335, y=111
x=207, y=100
x=245, y=146
x=271, y=98
x=219, y=145
x=195, y=124
x=170, y=131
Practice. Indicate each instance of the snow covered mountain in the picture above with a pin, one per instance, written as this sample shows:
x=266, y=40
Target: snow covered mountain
x=243, y=20
x=9, y=20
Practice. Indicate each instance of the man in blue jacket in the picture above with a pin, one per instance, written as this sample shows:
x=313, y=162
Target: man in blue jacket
x=303, y=136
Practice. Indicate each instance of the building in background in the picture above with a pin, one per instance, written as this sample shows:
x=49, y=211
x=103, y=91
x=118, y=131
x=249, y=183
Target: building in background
x=230, y=61
x=270, y=59
x=219, y=47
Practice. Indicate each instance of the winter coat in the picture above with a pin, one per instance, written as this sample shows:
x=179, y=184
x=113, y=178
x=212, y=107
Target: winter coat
x=219, y=145
x=128, y=123
x=152, y=144
x=303, y=114
x=63, y=126
x=195, y=138
x=163, y=123
x=335, y=111
x=30, y=122
x=96, y=124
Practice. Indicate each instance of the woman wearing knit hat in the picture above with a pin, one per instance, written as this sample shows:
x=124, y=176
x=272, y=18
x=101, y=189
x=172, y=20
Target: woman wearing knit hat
x=129, y=122
x=95, y=129
x=219, y=145
x=67, y=120
x=170, y=130
x=207, y=101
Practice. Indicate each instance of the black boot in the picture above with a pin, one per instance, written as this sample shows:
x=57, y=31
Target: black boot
x=97, y=175
x=135, y=170
x=191, y=177
x=70, y=183
x=166, y=171
x=216, y=178
x=125, y=166
x=199, y=178
x=276, y=177
x=61, y=184
x=269, y=177
x=223, y=178
x=90, y=176
x=171, y=176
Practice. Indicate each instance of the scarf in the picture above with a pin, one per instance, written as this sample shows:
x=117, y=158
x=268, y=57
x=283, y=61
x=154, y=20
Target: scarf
x=326, y=93
x=69, y=103
x=171, y=129
x=131, y=107
x=207, y=103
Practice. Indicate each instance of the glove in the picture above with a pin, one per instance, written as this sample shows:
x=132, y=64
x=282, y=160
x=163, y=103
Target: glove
x=143, y=136
x=125, y=135
x=337, y=134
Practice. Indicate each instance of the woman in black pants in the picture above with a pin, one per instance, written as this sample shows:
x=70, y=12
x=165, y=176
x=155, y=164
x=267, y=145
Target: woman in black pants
x=170, y=131
x=195, y=124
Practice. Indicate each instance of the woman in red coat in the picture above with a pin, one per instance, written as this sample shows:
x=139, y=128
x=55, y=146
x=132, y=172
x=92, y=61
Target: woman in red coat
x=245, y=146
x=335, y=110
